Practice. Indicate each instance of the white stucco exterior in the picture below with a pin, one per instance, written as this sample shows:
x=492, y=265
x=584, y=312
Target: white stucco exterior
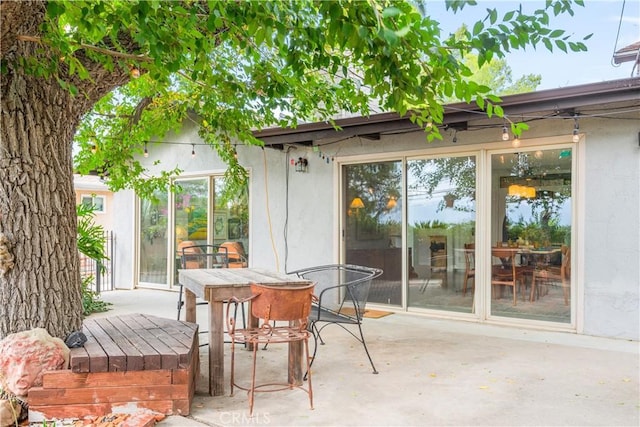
x=305, y=206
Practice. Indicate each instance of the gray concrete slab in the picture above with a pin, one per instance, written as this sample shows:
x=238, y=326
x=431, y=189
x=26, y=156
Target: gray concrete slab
x=432, y=373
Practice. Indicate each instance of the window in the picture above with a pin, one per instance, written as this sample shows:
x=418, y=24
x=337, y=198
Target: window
x=98, y=203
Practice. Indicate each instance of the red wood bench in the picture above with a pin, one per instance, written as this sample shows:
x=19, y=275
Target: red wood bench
x=128, y=362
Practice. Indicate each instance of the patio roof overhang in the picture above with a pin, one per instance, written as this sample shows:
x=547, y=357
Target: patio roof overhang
x=565, y=101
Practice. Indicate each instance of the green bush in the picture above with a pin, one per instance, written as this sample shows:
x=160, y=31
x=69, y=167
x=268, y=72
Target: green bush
x=91, y=242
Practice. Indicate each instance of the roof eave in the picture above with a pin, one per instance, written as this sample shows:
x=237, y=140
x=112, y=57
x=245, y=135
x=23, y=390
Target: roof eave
x=561, y=99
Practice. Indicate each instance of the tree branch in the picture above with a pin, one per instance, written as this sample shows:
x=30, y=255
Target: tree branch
x=104, y=51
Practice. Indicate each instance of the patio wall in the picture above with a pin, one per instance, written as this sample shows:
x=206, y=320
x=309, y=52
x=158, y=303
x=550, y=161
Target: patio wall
x=608, y=252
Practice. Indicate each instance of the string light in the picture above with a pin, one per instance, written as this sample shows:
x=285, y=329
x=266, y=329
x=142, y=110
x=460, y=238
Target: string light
x=193, y=150
x=146, y=153
x=94, y=148
x=576, y=128
x=505, y=133
x=515, y=143
x=455, y=136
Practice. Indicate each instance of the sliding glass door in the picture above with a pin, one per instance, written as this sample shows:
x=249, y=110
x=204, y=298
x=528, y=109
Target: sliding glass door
x=416, y=218
x=197, y=213
x=531, y=234
x=441, y=218
x=373, y=234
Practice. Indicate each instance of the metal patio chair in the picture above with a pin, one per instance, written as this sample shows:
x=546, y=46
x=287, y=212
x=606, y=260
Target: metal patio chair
x=342, y=291
x=272, y=304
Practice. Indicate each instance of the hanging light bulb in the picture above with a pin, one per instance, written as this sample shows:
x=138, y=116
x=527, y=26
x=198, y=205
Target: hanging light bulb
x=455, y=136
x=94, y=148
x=576, y=128
x=516, y=142
x=146, y=153
x=193, y=150
x=505, y=134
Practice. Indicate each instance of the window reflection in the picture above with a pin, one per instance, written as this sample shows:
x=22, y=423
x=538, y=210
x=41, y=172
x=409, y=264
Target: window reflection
x=441, y=227
x=532, y=217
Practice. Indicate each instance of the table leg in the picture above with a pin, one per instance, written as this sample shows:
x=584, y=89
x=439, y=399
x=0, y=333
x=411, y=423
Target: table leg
x=295, y=362
x=190, y=306
x=216, y=348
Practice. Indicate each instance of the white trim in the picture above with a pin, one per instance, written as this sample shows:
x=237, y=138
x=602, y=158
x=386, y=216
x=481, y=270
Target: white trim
x=482, y=152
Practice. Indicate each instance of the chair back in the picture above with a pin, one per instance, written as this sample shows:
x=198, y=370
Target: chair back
x=204, y=256
x=504, y=265
x=236, y=254
x=282, y=303
x=340, y=283
x=470, y=256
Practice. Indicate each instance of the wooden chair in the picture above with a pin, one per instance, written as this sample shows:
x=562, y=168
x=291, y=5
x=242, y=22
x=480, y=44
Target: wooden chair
x=504, y=271
x=342, y=291
x=549, y=273
x=271, y=304
x=469, y=266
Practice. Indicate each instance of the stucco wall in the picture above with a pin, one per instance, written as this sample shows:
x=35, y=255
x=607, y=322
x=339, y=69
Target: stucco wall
x=303, y=206
x=612, y=229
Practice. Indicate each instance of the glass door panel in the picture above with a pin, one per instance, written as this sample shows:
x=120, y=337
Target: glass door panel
x=191, y=212
x=231, y=222
x=191, y=207
x=532, y=218
x=373, y=232
x=441, y=218
x=153, y=239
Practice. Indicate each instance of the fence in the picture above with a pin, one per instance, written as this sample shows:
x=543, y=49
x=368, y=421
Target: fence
x=102, y=278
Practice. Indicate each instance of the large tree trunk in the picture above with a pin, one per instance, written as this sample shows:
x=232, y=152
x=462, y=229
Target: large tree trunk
x=37, y=200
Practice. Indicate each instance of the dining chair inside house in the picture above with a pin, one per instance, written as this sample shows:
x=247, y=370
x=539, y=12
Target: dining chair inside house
x=551, y=273
x=236, y=254
x=469, y=266
x=343, y=290
x=283, y=315
x=505, y=272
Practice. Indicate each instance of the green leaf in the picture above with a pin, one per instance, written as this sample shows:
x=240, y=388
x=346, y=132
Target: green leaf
x=493, y=16
x=561, y=45
x=403, y=31
x=478, y=27
x=390, y=12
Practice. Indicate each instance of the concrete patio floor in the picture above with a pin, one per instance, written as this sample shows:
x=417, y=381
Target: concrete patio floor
x=432, y=373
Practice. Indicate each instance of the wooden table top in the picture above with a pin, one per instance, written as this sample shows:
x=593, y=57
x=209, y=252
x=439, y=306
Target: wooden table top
x=197, y=280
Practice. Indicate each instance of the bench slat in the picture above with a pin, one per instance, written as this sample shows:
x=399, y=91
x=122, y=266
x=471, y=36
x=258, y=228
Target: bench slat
x=98, y=360
x=116, y=359
x=150, y=359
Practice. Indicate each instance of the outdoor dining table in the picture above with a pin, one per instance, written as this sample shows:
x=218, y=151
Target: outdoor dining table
x=218, y=285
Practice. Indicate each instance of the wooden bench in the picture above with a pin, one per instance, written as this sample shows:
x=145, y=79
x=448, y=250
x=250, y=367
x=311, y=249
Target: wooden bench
x=129, y=362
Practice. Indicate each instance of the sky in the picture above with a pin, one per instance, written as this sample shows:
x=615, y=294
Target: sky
x=603, y=18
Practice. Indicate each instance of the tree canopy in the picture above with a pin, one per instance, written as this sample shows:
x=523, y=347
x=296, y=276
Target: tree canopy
x=114, y=75
x=242, y=66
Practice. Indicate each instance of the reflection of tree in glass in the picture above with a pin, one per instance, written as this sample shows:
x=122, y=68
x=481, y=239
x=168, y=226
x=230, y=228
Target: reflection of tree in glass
x=375, y=184
x=549, y=201
x=451, y=175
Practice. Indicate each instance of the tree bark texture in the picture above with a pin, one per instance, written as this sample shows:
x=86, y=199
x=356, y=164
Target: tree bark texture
x=37, y=200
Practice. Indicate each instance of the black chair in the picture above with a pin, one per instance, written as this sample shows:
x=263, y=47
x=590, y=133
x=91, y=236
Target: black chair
x=204, y=256
x=342, y=291
x=200, y=256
